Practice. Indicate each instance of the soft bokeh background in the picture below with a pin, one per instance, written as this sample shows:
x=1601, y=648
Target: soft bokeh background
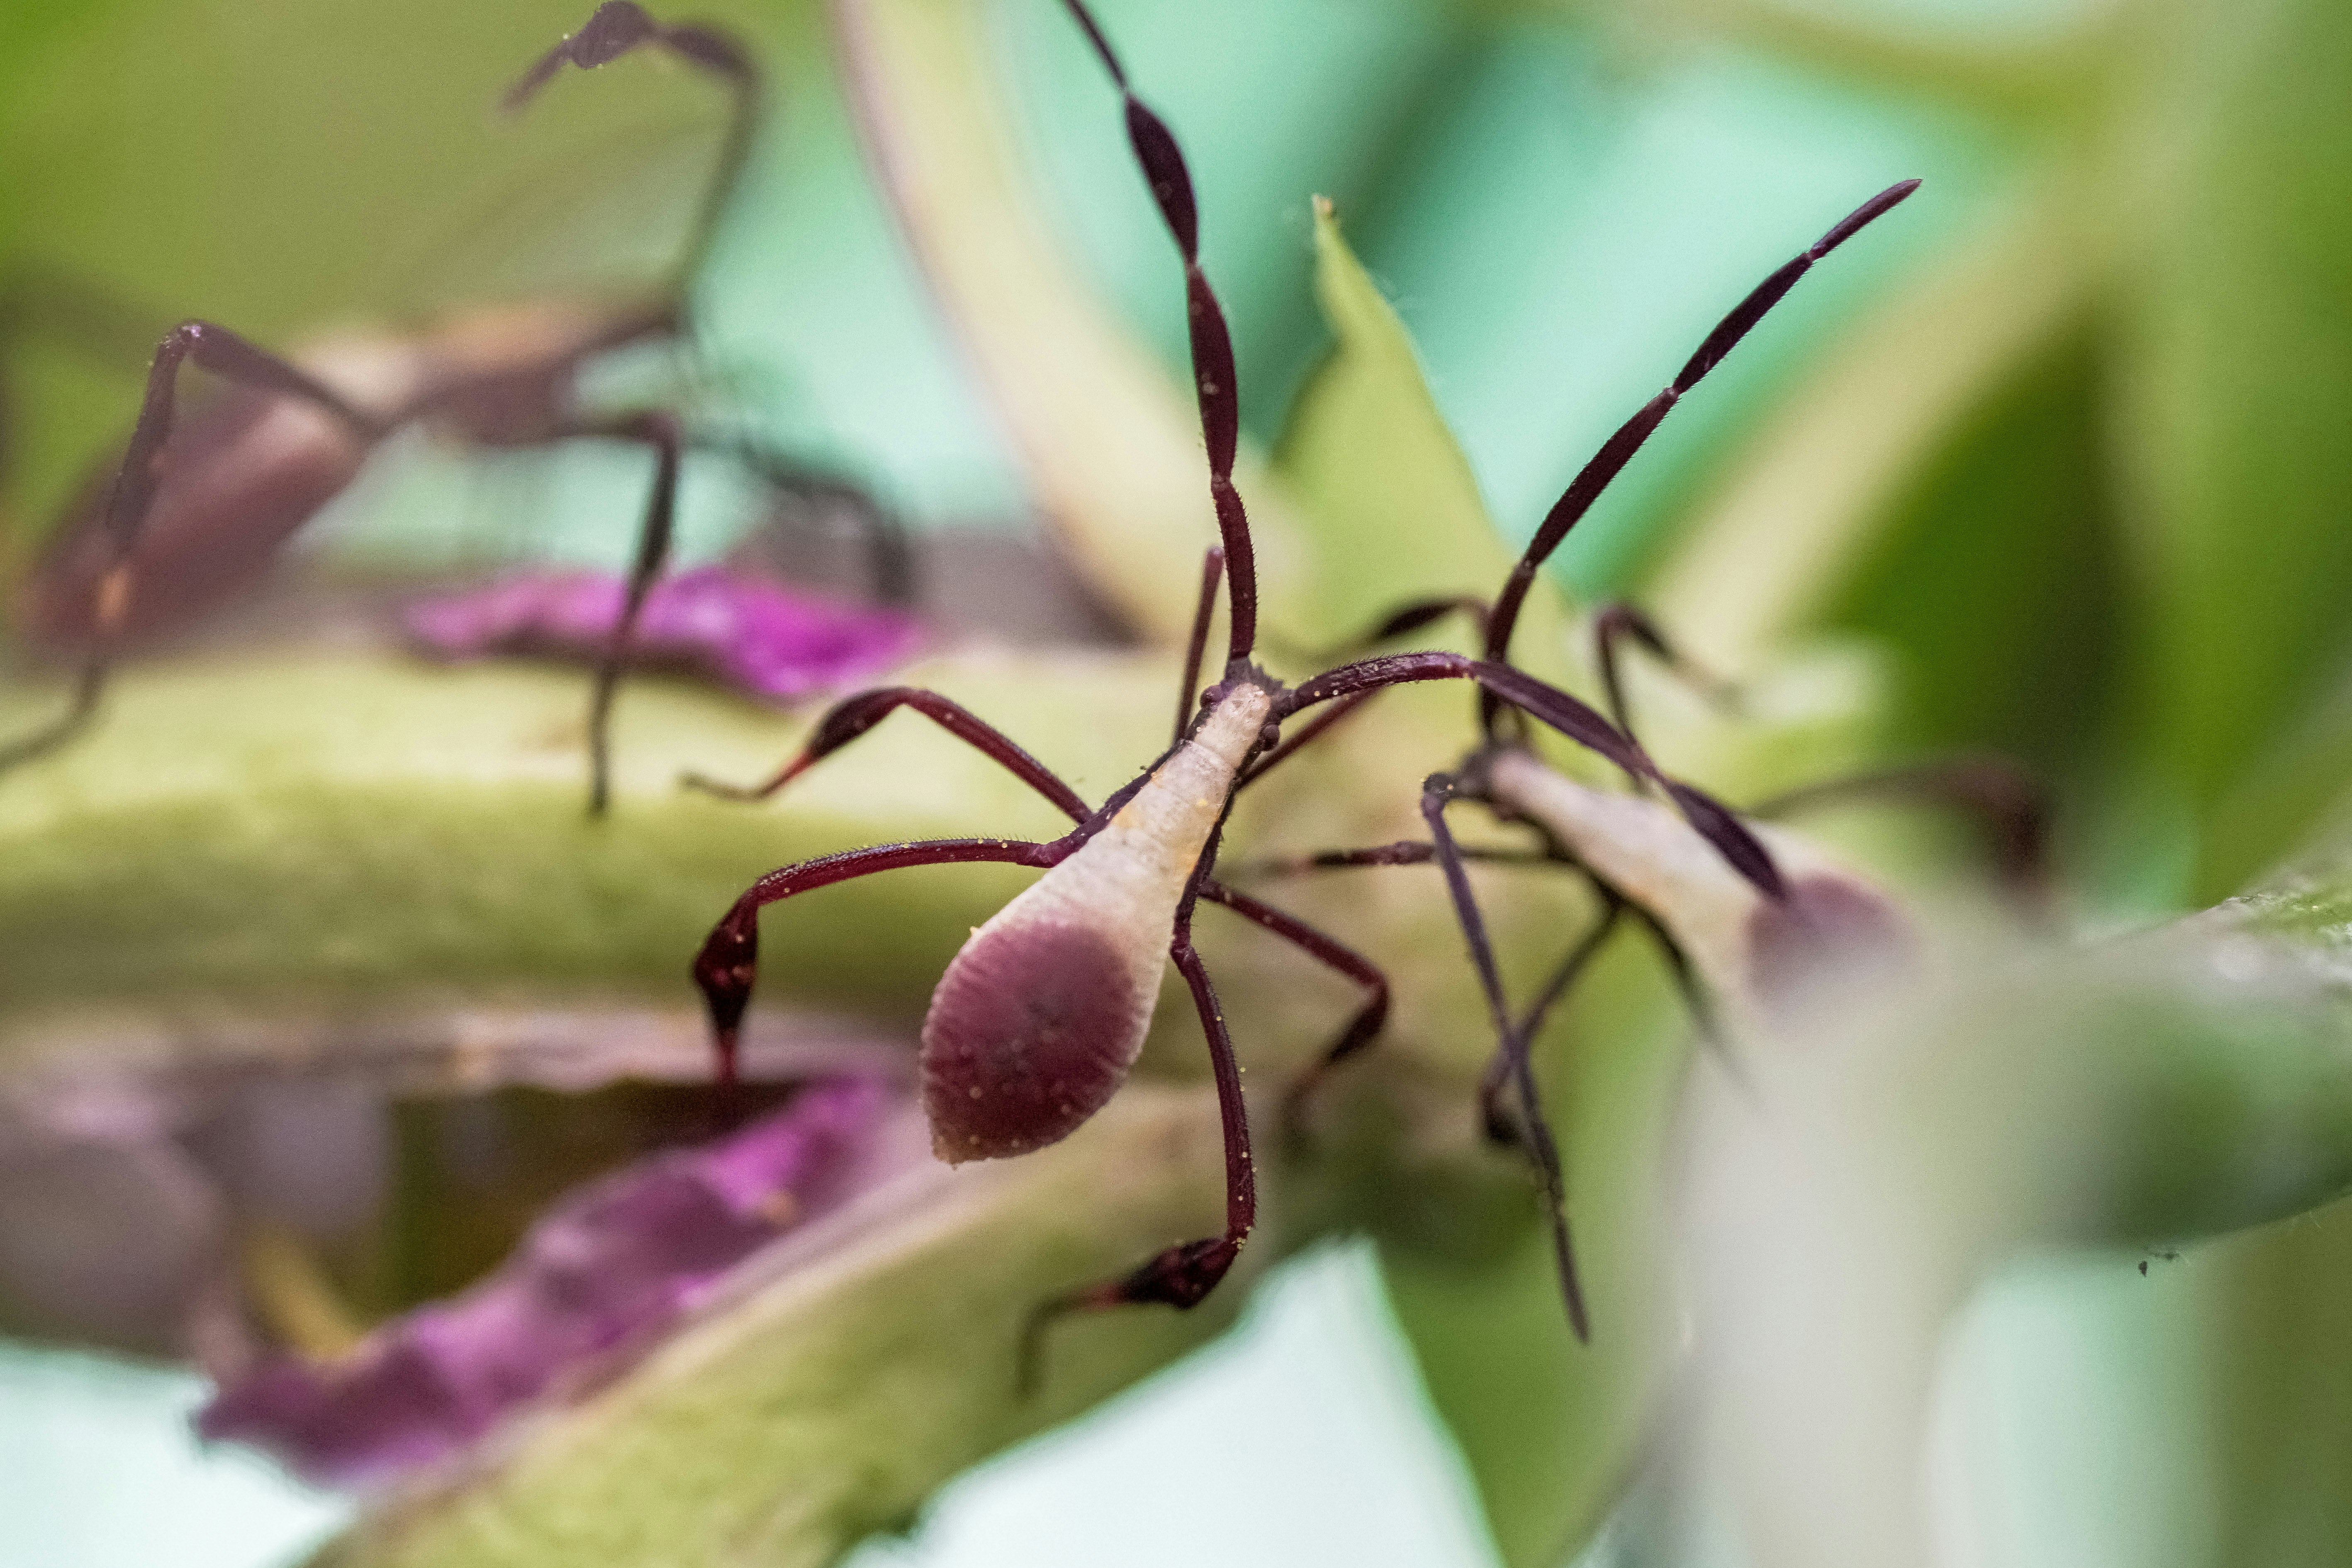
x=2068, y=436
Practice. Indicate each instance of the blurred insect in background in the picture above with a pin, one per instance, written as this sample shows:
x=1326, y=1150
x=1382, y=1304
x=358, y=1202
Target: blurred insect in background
x=1040, y=1016
x=1736, y=946
x=201, y=502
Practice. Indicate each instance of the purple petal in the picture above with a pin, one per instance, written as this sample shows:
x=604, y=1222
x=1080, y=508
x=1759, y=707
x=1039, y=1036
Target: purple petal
x=606, y=1266
x=745, y=631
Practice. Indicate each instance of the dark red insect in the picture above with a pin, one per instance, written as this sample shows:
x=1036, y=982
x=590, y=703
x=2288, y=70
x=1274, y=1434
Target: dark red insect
x=1736, y=945
x=202, y=499
x=1039, y=1017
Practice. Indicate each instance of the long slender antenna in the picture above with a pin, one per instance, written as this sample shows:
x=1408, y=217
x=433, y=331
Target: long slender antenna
x=1162, y=162
x=1618, y=450
x=621, y=26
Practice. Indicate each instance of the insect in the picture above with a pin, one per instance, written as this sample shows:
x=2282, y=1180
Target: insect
x=1739, y=946
x=1038, y=1018
x=201, y=501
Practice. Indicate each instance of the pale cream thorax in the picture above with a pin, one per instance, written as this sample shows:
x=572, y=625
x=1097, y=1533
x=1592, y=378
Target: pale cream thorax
x=1642, y=847
x=1126, y=881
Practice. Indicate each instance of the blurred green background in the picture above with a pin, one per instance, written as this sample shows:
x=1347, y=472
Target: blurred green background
x=2070, y=439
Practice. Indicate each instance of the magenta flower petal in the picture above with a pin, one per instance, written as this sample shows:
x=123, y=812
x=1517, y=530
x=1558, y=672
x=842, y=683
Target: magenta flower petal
x=745, y=631
x=607, y=1267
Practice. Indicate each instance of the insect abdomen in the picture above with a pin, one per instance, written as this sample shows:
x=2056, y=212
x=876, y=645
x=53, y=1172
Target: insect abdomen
x=1027, y=1038
x=1035, y=1023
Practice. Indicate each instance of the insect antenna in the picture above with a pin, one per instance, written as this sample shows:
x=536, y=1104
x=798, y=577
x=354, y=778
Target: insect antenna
x=1618, y=450
x=1213, y=372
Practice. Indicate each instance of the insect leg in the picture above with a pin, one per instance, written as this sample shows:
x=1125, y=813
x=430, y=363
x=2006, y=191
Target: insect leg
x=1541, y=1149
x=1212, y=568
x=889, y=552
x=660, y=432
x=1408, y=618
x=1615, y=904
x=136, y=481
x=1183, y=1275
x=1405, y=852
x=852, y=716
x=1558, y=711
x=1500, y=1073
x=1411, y=852
x=727, y=966
x=2009, y=803
x=1360, y=1030
x=1214, y=383
x=1619, y=623
x=617, y=27
x=1290, y=745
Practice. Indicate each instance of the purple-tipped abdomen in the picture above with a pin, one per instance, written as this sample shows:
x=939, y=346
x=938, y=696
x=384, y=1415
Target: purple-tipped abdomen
x=1828, y=923
x=1030, y=1031
x=1036, y=1022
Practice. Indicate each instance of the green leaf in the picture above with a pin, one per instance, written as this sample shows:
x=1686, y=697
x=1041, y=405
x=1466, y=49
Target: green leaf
x=2235, y=388
x=1390, y=503
x=1993, y=579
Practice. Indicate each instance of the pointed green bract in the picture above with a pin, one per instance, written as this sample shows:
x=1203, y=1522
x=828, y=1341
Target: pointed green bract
x=1389, y=501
